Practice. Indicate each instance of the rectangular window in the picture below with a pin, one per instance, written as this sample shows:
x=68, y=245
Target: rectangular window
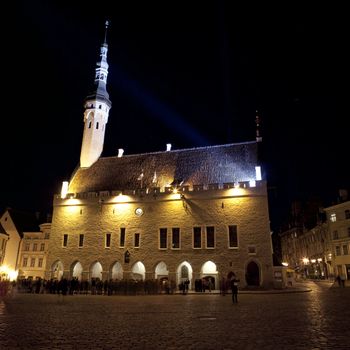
x=335, y=234
x=40, y=262
x=163, y=242
x=348, y=231
x=122, y=237
x=345, y=250
x=347, y=214
x=32, y=262
x=210, y=237
x=137, y=240
x=232, y=236
x=175, y=244
x=108, y=240
x=42, y=247
x=197, y=237
x=26, y=246
x=35, y=247
x=47, y=235
x=337, y=250
x=81, y=240
x=65, y=240
x=25, y=262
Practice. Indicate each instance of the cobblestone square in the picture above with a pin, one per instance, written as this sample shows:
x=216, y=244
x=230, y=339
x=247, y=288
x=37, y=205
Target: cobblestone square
x=318, y=319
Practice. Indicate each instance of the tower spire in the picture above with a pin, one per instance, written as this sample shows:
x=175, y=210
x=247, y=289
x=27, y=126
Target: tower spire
x=97, y=106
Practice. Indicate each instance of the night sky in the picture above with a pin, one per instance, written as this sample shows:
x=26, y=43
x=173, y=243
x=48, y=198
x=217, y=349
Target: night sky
x=183, y=73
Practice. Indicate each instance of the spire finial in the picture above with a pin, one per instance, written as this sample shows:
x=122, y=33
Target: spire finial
x=107, y=23
x=257, y=122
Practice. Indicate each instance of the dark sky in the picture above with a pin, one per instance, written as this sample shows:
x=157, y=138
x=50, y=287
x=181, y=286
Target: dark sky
x=184, y=73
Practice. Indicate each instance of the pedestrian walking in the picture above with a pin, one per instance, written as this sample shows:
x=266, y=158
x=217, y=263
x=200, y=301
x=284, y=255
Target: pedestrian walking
x=234, y=288
x=342, y=280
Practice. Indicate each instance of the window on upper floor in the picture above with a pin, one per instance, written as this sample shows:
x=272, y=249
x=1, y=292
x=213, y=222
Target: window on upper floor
x=32, y=262
x=197, y=237
x=232, y=236
x=108, y=240
x=175, y=244
x=337, y=250
x=40, y=262
x=25, y=262
x=35, y=247
x=163, y=241
x=348, y=231
x=210, y=237
x=335, y=234
x=65, y=240
x=81, y=240
x=122, y=237
x=42, y=247
x=345, y=249
x=137, y=240
x=26, y=246
x=347, y=214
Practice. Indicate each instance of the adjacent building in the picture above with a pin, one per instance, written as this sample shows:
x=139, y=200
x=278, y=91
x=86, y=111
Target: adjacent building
x=23, y=245
x=323, y=251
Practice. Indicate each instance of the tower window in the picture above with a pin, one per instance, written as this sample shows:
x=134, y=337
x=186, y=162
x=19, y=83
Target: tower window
x=97, y=125
x=89, y=125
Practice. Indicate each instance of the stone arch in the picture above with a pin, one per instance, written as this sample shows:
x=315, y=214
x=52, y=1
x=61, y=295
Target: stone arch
x=161, y=270
x=252, y=274
x=116, y=271
x=57, y=270
x=96, y=270
x=184, y=272
x=138, y=271
x=76, y=270
x=161, y=273
x=209, y=272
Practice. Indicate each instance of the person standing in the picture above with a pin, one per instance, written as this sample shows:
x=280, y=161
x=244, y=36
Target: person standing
x=234, y=288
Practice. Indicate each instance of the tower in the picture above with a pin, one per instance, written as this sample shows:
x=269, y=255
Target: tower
x=97, y=106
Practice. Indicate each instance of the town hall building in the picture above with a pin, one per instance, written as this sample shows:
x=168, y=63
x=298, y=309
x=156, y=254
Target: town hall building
x=186, y=214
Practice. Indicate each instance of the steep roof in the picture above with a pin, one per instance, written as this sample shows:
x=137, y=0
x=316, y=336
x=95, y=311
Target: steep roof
x=195, y=166
x=2, y=230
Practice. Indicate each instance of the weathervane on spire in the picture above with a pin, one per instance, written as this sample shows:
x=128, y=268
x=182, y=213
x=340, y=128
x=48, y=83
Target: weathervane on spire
x=107, y=23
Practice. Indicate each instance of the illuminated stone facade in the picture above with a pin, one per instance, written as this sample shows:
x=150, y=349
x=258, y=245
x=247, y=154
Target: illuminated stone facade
x=206, y=213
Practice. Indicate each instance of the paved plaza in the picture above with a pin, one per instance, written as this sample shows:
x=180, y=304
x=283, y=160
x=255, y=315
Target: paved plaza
x=314, y=319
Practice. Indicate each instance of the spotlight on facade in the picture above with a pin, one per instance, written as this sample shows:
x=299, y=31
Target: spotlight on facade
x=120, y=152
x=64, y=189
